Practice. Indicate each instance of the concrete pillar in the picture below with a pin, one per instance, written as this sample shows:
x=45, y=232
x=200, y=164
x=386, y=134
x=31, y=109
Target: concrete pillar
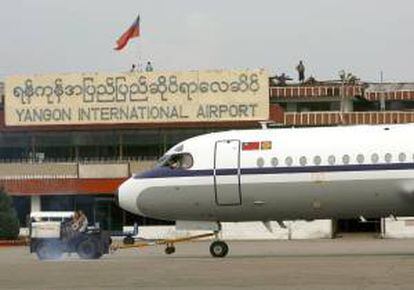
x=76, y=152
x=120, y=146
x=382, y=103
x=383, y=229
x=35, y=203
x=347, y=105
x=33, y=146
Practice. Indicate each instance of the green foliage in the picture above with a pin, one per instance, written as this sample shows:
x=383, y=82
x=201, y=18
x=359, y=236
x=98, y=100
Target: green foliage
x=9, y=223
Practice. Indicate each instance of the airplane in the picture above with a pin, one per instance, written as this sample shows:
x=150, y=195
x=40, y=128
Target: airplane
x=279, y=174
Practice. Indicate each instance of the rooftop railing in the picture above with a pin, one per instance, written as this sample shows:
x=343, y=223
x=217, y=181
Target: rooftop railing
x=349, y=118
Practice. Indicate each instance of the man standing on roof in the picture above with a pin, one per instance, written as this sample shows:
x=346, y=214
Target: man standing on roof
x=149, y=67
x=301, y=70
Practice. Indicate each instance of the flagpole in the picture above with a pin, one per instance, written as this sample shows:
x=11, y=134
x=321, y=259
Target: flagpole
x=139, y=50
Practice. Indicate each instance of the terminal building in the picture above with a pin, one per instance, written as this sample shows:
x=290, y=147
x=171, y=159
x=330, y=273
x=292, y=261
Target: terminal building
x=71, y=166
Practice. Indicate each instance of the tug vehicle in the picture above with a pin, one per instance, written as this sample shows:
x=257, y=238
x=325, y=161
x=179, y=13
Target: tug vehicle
x=54, y=233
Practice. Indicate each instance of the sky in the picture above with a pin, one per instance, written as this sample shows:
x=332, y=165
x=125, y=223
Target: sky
x=363, y=37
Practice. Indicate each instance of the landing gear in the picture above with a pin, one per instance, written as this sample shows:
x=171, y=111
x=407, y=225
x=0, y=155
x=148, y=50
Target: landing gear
x=219, y=249
x=170, y=249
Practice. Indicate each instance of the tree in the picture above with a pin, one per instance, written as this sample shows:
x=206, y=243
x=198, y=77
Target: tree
x=9, y=223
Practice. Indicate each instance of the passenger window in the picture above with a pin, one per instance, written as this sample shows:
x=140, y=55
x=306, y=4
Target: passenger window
x=274, y=161
x=402, y=157
x=331, y=159
x=374, y=158
x=178, y=161
x=303, y=161
x=360, y=158
x=289, y=161
x=388, y=157
x=260, y=162
x=317, y=160
x=345, y=159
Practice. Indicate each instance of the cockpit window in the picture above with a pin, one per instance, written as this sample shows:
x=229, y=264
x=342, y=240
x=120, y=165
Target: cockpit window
x=176, y=161
x=162, y=160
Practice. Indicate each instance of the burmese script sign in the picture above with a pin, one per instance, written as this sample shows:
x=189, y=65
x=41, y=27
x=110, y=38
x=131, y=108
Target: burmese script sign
x=137, y=97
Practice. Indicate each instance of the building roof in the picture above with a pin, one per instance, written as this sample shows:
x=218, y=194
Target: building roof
x=389, y=91
x=319, y=90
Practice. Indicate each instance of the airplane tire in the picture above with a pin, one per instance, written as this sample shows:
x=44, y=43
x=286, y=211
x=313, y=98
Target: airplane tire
x=170, y=250
x=49, y=251
x=219, y=249
x=89, y=249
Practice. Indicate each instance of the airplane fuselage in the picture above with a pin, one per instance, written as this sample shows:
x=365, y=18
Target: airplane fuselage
x=280, y=174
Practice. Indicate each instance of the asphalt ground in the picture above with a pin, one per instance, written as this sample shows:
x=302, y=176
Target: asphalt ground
x=316, y=264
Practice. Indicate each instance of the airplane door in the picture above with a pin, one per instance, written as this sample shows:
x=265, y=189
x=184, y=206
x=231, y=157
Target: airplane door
x=227, y=172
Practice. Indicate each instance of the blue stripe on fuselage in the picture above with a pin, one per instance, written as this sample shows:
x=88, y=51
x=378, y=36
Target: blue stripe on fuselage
x=162, y=172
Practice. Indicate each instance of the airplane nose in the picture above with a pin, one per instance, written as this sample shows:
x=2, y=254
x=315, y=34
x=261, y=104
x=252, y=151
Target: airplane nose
x=128, y=193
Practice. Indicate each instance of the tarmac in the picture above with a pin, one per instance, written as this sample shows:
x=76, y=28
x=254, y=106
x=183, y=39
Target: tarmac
x=349, y=263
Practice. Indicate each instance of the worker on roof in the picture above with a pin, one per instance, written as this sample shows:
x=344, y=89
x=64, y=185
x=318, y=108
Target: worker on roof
x=301, y=71
x=149, y=67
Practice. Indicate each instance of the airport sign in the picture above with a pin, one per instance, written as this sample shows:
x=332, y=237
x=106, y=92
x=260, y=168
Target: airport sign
x=136, y=97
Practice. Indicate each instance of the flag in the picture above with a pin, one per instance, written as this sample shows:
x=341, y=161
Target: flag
x=266, y=145
x=248, y=146
x=133, y=31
